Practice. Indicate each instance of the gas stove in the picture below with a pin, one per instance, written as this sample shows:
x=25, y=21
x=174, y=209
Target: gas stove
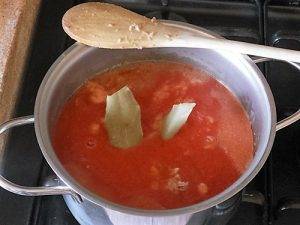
x=273, y=197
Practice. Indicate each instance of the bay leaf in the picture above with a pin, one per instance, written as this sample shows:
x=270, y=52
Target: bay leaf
x=123, y=119
x=175, y=119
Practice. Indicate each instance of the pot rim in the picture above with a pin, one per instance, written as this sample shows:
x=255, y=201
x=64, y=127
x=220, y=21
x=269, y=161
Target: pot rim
x=230, y=191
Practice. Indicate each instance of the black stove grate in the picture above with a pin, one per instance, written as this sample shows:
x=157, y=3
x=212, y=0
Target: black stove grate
x=273, y=197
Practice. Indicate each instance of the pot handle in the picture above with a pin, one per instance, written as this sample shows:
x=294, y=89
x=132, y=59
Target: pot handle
x=57, y=189
x=295, y=116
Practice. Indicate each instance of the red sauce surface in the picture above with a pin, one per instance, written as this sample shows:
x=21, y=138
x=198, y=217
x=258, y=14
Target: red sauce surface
x=206, y=156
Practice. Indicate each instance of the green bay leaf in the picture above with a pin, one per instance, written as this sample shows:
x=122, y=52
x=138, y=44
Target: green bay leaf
x=123, y=119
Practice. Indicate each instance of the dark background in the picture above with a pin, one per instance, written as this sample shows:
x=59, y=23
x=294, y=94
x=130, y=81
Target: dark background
x=274, y=23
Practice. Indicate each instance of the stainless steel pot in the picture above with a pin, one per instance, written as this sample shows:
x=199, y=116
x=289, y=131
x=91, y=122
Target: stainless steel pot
x=78, y=63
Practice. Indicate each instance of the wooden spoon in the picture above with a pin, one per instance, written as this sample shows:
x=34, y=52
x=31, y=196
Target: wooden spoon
x=109, y=26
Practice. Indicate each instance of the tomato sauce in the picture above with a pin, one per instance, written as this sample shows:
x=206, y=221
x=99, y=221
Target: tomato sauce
x=206, y=156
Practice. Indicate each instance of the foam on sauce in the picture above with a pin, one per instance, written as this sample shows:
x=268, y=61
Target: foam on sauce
x=206, y=156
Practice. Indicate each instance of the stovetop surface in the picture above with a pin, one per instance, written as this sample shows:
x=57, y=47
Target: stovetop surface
x=273, y=197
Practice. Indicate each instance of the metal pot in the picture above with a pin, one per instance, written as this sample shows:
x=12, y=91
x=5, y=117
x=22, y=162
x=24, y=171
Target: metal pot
x=79, y=63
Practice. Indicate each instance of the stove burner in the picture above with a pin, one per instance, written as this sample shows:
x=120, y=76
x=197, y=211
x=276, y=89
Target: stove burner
x=176, y=17
x=156, y=14
x=285, y=204
x=168, y=16
x=254, y=197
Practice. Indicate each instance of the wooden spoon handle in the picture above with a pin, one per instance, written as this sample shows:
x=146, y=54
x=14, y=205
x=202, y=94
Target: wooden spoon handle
x=238, y=47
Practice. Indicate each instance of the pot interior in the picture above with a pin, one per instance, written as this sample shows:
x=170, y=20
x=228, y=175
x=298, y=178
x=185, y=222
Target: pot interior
x=237, y=72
